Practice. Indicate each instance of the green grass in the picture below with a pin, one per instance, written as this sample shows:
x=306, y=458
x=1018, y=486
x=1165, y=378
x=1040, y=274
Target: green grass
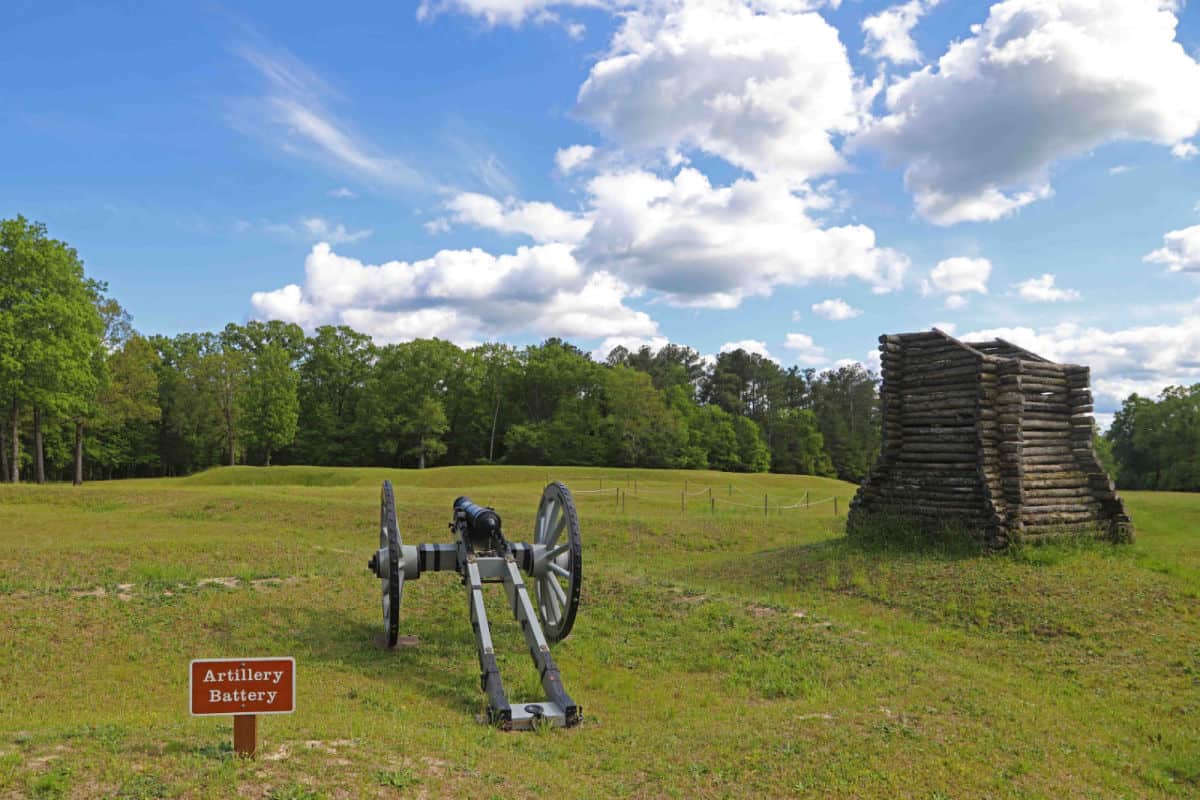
x=716, y=655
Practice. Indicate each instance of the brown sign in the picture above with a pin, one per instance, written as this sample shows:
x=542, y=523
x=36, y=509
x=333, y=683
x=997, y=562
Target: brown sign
x=242, y=686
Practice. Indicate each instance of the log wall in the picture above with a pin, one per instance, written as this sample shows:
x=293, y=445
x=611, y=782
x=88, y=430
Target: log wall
x=987, y=437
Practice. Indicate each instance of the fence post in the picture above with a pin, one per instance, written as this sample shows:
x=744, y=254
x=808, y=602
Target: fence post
x=712, y=504
x=622, y=504
x=683, y=502
x=764, y=505
x=806, y=504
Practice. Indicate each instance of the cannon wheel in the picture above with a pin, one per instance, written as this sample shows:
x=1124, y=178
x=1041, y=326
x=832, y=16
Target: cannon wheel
x=557, y=528
x=393, y=583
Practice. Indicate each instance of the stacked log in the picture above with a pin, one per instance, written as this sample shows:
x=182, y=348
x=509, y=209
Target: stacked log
x=989, y=435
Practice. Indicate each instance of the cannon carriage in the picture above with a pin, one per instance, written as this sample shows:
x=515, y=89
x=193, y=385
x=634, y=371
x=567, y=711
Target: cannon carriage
x=481, y=554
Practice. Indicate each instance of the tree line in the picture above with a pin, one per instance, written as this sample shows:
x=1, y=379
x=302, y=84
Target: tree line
x=90, y=397
x=1155, y=444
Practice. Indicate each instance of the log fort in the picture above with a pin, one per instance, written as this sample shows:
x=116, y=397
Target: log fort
x=990, y=437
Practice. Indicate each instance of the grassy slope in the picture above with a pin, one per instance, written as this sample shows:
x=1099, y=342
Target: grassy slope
x=715, y=656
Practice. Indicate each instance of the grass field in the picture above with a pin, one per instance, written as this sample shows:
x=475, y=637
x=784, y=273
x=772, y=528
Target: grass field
x=715, y=655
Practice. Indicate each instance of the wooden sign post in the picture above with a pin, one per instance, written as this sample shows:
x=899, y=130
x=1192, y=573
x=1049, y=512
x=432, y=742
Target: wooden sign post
x=245, y=688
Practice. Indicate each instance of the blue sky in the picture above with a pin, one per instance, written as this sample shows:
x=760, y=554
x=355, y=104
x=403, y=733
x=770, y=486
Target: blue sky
x=794, y=175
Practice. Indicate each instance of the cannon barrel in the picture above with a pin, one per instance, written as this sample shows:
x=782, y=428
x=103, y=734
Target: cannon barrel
x=483, y=524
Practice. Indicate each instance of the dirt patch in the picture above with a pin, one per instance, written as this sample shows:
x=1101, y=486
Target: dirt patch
x=125, y=592
x=97, y=592
x=228, y=582
x=282, y=754
x=328, y=747
x=402, y=642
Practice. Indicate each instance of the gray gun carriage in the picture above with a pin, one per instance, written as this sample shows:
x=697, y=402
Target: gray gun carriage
x=481, y=554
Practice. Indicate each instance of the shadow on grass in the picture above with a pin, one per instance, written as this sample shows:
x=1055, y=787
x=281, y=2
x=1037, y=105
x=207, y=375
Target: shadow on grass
x=438, y=667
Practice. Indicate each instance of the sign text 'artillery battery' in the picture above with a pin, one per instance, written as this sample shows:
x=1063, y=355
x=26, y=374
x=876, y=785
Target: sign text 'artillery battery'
x=243, y=686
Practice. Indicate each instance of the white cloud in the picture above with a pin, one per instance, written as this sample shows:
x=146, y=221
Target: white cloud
x=836, y=309
x=543, y=222
x=1180, y=250
x=436, y=226
x=506, y=12
x=325, y=231
x=342, y=193
x=630, y=343
x=1141, y=359
x=945, y=327
x=570, y=158
x=889, y=33
x=1043, y=290
x=463, y=295
x=957, y=275
x=804, y=349
x=713, y=246
x=1119, y=169
x=292, y=116
x=750, y=346
x=1037, y=82
x=1184, y=150
x=311, y=229
x=763, y=85
x=955, y=302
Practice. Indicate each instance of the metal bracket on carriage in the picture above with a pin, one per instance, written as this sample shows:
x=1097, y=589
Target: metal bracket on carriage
x=481, y=554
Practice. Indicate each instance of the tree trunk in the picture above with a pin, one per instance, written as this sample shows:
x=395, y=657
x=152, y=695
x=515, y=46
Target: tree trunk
x=3, y=455
x=268, y=456
x=78, y=454
x=15, y=429
x=39, y=452
x=421, y=463
x=495, y=418
x=229, y=439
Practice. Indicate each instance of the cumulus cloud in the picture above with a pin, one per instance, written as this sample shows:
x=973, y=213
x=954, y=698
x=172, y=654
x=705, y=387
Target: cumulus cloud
x=750, y=346
x=342, y=193
x=1043, y=290
x=835, y=309
x=1141, y=359
x=763, y=85
x=568, y=159
x=713, y=246
x=804, y=349
x=1180, y=250
x=889, y=33
x=955, y=277
x=462, y=295
x=542, y=222
x=630, y=343
x=1035, y=83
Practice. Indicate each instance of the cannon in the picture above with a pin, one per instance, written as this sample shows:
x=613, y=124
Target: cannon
x=481, y=554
